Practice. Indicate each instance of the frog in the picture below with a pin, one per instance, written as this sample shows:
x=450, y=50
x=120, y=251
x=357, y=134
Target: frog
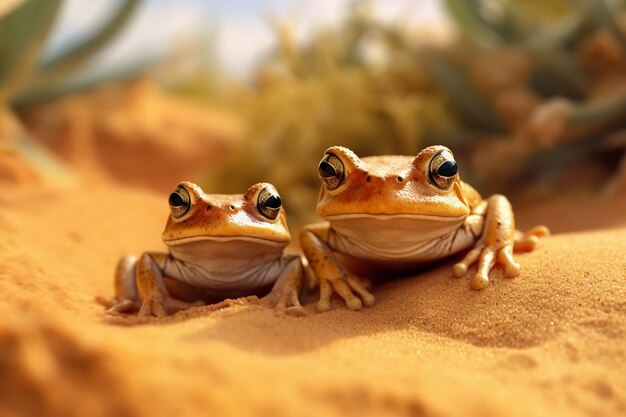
x=219, y=246
x=402, y=214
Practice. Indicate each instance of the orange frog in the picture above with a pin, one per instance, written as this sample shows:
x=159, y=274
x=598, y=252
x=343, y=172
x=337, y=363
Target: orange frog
x=401, y=212
x=220, y=246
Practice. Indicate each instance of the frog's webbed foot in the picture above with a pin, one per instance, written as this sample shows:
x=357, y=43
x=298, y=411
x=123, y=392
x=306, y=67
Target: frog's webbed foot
x=496, y=245
x=114, y=306
x=332, y=276
x=161, y=305
x=345, y=285
x=487, y=257
x=126, y=299
x=285, y=301
x=155, y=299
x=153, y=305
x=286, y=290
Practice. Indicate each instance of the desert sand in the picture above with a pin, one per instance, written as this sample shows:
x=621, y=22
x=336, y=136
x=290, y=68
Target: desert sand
x=551, y=342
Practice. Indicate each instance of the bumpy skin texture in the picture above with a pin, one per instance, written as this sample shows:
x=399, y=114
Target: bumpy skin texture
x=391, y=210
x=220, y=246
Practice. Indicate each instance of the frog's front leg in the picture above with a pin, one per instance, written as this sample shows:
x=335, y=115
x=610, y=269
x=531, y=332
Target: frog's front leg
x=330, y=272
x=286, y=290
x=155, y=299
x=126, y=298
x=497, y=242
x=139, y=286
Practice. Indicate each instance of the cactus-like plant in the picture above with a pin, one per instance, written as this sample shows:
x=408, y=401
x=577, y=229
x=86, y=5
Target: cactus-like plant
x=552, y=99
x=25, y=26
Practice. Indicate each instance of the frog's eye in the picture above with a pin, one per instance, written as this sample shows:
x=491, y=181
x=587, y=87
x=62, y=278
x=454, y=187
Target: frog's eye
x=331, y=171
x=442, y=170
x=269, y=202
x=180, y=202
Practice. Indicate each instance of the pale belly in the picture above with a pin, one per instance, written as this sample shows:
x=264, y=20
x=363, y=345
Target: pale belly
x=401, y=240
x=228, y=268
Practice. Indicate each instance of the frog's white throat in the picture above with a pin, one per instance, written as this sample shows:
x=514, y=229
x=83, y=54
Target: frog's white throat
x=225, y=263
x=225, y=240
x=399, y=238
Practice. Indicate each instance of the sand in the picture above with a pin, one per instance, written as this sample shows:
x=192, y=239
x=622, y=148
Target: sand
x=551, y=342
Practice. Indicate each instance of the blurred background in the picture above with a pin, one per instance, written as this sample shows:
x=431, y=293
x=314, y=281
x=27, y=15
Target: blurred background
x=530, y=95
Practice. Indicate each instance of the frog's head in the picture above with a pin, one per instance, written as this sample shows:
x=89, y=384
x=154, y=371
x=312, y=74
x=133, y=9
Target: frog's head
x=426, y=185
x=257, y=216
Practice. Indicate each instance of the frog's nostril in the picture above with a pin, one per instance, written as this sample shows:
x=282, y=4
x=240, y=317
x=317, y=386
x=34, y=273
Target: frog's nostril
x=399, y=178
x=209, y=207
x=369, y=177
x=232, y=207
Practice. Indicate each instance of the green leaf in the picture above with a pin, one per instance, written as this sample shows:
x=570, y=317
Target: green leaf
x=469, y=15
x=126, y=72
x=470, y=104
x=23, y=34
x=75, y=57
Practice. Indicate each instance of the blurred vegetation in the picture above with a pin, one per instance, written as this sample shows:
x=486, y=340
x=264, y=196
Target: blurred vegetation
x=25, y=29
x=522, y=93
x=553, y=73
x=360, y=85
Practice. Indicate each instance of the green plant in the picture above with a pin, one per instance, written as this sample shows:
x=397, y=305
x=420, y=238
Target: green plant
x=25, y=27
x=332, y=91
x=567, y=76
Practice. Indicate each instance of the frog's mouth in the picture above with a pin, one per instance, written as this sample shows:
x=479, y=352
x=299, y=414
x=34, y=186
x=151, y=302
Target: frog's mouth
x=394, y=228
x=224, y=239
x=395, y=216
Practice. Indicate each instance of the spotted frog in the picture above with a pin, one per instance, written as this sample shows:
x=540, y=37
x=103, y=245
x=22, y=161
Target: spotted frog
x=404, y=212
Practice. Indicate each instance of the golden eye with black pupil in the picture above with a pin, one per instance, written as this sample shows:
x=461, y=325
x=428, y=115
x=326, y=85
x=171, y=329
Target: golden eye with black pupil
x=180, y=202
x=331, y=171
x=269, y=202
x=442, y=170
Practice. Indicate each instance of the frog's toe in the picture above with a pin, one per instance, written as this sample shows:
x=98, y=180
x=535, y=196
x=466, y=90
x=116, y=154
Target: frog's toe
x=460, y=269
x=296, y=311
x=123, y=306
x=361, y=287
x=152, y=307
x=512, y=269
x=368, y=300
x=479, y=281
x=526, y=242
x=505, y=259
x=326, y=290
x=172, y=305
x=287, y=302
x=349, y=288
x=344, y=289
x=104, y=301
x=354, y=303
x=323, y=305
x=486, y=261
x=115, y=306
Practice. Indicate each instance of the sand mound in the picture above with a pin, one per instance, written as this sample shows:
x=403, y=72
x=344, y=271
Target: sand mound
x=104, y=133
x=46, y=370
x=551, y=342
